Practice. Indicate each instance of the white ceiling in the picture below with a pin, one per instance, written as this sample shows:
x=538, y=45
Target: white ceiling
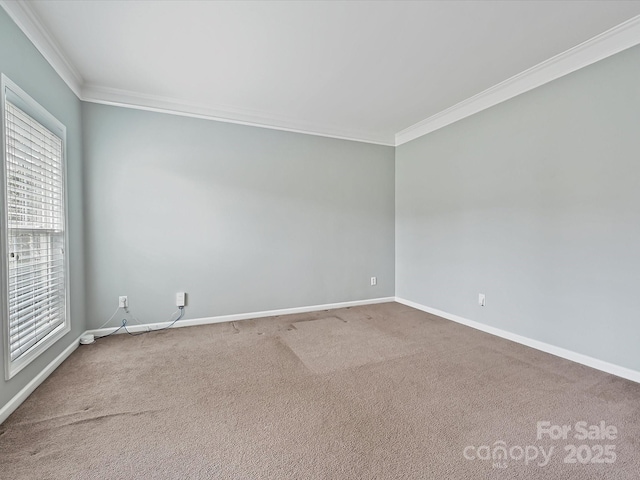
x=363, y=70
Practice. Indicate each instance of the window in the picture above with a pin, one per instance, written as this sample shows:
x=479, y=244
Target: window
x=34, y=267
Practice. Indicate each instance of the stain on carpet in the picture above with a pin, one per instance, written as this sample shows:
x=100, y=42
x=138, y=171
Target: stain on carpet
x=331, y=344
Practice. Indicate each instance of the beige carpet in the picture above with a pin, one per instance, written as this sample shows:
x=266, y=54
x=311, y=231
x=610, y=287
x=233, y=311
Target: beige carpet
x=383, y=391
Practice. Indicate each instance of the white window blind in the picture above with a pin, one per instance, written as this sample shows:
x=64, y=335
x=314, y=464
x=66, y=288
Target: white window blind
x=35, y=231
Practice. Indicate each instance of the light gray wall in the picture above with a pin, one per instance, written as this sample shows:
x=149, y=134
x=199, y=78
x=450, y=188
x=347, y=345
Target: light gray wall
x=23, y=64
x=535, y=203
x=243, y=219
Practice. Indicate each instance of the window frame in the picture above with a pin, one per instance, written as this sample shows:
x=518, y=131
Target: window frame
x=31, y=107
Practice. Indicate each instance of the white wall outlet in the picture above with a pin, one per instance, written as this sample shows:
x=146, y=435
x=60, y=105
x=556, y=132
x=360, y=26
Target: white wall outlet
x=123, y=301
x=374, y=281
x=181, y=299
x=481, y=299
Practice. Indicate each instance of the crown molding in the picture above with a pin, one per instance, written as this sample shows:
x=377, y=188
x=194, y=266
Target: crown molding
x=615, y=40
x=31, y=25
x=173, y=106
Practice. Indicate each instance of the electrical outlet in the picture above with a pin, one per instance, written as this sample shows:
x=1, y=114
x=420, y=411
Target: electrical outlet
x=374, y=281
x=181, y=299
x=123, y=301
x=481, y=299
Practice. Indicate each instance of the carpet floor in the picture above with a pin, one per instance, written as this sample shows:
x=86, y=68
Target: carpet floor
x=373, y=392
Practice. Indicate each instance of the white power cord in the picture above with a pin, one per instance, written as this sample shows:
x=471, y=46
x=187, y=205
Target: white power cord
x=133, y=317
x=111, y=318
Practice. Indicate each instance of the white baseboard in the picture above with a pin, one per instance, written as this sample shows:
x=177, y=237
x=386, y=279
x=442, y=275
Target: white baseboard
x=22, y=395
x=601, y=365
x=240, y=316
x=16, y=401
